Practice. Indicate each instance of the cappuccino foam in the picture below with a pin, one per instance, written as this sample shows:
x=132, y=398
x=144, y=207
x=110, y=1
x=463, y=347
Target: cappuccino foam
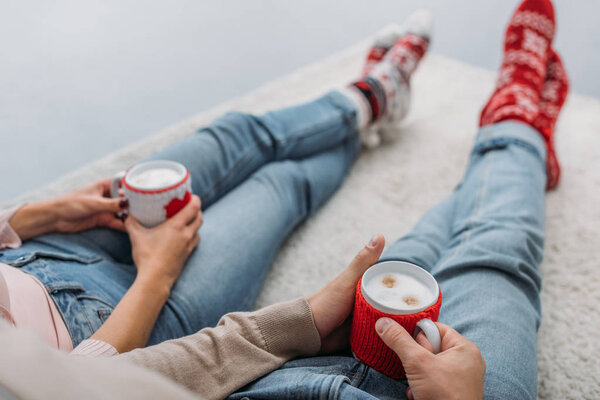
x=155, y=178
x=398, y=291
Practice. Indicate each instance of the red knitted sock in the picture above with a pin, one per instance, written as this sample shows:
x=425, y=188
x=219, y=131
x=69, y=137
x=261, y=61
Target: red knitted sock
x=554, y=94
x=523, y=71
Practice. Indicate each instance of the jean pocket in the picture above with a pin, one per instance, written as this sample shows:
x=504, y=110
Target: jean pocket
x=64, y=286
x=22, y=258
x=95, y=308
x=104, y=313
x=83, y=310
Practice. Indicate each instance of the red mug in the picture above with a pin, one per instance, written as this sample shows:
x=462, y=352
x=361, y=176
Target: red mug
x=365, y=343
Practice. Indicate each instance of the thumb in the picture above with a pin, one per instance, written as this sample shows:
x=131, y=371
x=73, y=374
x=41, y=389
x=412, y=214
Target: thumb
x=365, y=258
x=132, y=224
x=400, y=341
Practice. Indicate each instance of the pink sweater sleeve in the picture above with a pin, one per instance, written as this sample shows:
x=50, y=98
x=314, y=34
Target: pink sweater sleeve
x=94, y=348
x=8, y=236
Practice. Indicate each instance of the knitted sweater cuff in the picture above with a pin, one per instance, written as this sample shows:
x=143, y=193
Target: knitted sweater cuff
x=288, y=329
x=8, y=236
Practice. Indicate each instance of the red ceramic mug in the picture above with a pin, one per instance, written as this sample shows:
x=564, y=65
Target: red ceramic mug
x=414, y=311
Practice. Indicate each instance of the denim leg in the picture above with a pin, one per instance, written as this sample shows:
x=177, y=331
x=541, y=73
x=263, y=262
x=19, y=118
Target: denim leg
x=424, y=245
x=330, y=377
x=489, y=273
x=483, y=244
x=321, y=136
x=222, y=155
x=239, y=240
x=234, y=146
x=242, y=234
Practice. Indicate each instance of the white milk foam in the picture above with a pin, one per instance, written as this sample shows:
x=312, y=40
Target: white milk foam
x=155, y=178
x=398, y=291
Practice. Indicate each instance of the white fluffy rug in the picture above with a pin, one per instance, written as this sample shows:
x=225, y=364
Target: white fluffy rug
x=412, y=175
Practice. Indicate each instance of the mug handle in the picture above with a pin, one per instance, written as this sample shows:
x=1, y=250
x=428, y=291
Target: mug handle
x=431, y=332
x=116, y=183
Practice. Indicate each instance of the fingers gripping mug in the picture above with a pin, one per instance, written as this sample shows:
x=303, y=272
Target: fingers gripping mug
x=156, y=190
x=403, y=292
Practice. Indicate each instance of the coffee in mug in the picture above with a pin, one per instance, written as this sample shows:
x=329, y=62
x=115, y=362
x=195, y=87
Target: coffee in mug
x=156, y=190
x=400, y=291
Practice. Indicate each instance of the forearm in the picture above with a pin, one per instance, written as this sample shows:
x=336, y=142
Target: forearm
x=244, y=346
x=131, y=322
x=34, y=219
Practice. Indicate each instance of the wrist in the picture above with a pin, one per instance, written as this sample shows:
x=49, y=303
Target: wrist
x=157, y=286
x=34, y=219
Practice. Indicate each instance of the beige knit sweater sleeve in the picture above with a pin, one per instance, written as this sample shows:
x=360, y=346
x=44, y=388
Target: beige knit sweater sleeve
x=241, y=348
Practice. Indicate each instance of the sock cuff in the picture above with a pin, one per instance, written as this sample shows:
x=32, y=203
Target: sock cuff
x=366, y=90
x=363, y=108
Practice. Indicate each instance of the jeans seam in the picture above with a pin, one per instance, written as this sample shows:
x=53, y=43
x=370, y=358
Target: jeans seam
x=467, y=233
x=335, y=395
x=484, y=143
x=359, y=375
x=478, y=202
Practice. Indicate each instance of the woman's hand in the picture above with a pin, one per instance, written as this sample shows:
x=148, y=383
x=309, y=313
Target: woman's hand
x=89, y=207
x=81, y=209
x=456, y=372
x=159, y=253
x=332, y=305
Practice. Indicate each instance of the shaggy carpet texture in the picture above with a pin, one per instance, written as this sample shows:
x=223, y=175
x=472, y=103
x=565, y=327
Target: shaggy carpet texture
x=391, y=187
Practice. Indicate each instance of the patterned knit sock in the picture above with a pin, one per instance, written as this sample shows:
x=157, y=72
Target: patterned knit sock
x=384, y=40
x=523, y=71
x=554, y=94
x=385, y=84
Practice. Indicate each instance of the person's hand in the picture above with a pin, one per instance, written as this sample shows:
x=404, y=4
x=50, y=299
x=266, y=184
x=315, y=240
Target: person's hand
x=81, y=209
x=159, y=253
x=89, y=207
x=454, y=373
x=332, y=305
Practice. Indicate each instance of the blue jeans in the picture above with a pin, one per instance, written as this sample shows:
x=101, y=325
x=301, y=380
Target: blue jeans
x=483, y=244
x=258, y=178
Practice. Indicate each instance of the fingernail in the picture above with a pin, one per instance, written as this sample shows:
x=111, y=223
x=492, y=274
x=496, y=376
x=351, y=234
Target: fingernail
x=124, y=203
x=373, y=241
x=382, y=324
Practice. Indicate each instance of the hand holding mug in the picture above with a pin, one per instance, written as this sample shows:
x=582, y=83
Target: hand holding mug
x=84, y=208
x=332, y=305
x=159, y=253
x=401, y=291
x=457, y=370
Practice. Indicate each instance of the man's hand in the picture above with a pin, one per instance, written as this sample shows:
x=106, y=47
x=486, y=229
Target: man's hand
x=159, y=253
x=454, y=373
x=332, y=305
x=81, y=209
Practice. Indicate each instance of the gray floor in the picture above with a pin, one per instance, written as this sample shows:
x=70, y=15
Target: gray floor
x=81, y=79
